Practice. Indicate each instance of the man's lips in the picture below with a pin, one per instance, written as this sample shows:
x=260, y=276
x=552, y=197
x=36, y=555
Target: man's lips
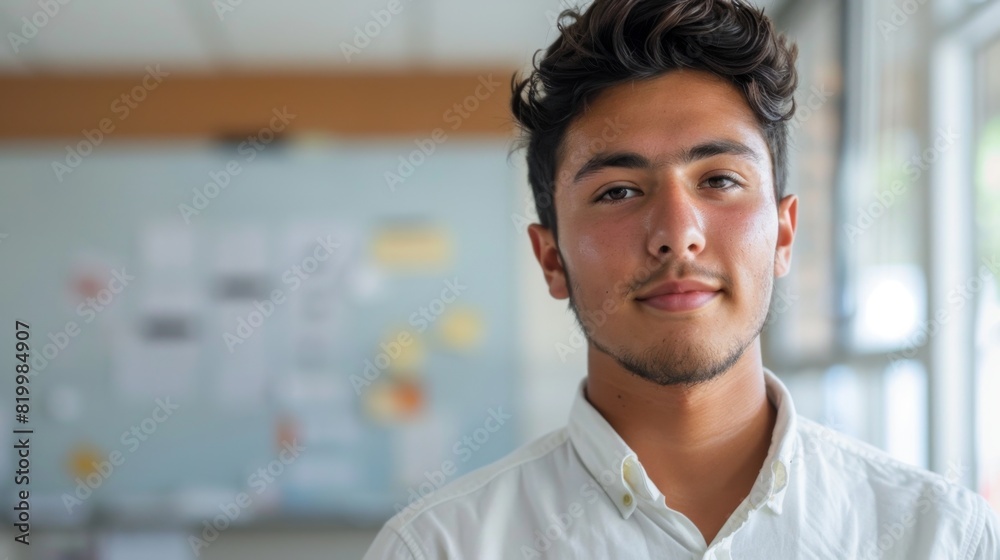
x=683, y=301
x=679, y=295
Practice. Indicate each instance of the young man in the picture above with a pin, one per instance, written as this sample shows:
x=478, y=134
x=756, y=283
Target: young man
x=656, y=152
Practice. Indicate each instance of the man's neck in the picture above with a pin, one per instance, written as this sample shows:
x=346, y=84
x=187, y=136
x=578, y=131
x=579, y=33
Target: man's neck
x=700, y=445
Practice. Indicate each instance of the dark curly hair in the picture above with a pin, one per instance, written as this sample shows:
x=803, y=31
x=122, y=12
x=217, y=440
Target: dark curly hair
x=616, y=41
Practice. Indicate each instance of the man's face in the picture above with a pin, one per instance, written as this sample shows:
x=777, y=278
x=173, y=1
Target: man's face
x=669, y=235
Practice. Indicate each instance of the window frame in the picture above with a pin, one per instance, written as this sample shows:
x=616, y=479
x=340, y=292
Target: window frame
x=964, y=30
x=959, y=30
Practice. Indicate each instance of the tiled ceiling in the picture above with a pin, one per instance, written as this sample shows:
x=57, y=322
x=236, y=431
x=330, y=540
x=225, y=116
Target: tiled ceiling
x=125, y=35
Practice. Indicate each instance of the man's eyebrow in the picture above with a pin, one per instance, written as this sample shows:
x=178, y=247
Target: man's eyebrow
x=632, y=160
x=626, y=160
x=719, y=147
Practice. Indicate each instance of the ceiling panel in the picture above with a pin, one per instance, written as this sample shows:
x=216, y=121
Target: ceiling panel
x=102, y=35
x=509, y=31
x=109, y=34
x=309, y=32
x=11, y=62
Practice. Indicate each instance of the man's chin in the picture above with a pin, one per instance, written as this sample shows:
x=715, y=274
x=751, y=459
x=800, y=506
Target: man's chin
x=693, y=364
x=687, y=369
x=670, y=375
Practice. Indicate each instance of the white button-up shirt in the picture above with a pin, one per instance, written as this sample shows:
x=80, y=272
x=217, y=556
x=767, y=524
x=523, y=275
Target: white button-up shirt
x=581, y=492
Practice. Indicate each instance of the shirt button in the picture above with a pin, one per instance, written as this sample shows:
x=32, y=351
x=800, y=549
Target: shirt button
x=627, y=499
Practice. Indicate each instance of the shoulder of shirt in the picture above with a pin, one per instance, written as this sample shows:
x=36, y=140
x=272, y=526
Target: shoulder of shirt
x=468, y=485
x=854, y=453
x=902, y=484
x=874, y=466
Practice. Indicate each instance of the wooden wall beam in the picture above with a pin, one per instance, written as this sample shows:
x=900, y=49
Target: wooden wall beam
x=177, y=105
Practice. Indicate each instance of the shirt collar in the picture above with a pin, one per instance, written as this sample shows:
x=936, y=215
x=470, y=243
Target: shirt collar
x=616, y=467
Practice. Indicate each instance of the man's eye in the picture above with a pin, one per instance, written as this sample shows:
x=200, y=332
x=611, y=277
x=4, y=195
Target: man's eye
x=616, y=193
x=722, y=182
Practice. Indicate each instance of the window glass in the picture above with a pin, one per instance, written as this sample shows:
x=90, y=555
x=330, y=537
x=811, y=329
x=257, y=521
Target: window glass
x=883, y=228
x=983, y=288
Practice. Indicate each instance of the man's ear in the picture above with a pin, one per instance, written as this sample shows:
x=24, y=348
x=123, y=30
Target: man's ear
x=788, y=215
x=547, y=254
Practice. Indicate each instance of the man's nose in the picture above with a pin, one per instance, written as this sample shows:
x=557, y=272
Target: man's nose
x=676, y=224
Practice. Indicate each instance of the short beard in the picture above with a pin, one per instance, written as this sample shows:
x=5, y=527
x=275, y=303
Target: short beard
x=666, y=366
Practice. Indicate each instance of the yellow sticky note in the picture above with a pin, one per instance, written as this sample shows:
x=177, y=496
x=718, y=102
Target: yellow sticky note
x=401, y=349
x=422, y=247
x=84, y=460
x=462, y=328
x=379, y=402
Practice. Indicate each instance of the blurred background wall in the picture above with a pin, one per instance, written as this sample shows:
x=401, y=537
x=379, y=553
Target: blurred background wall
x=269, y=265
